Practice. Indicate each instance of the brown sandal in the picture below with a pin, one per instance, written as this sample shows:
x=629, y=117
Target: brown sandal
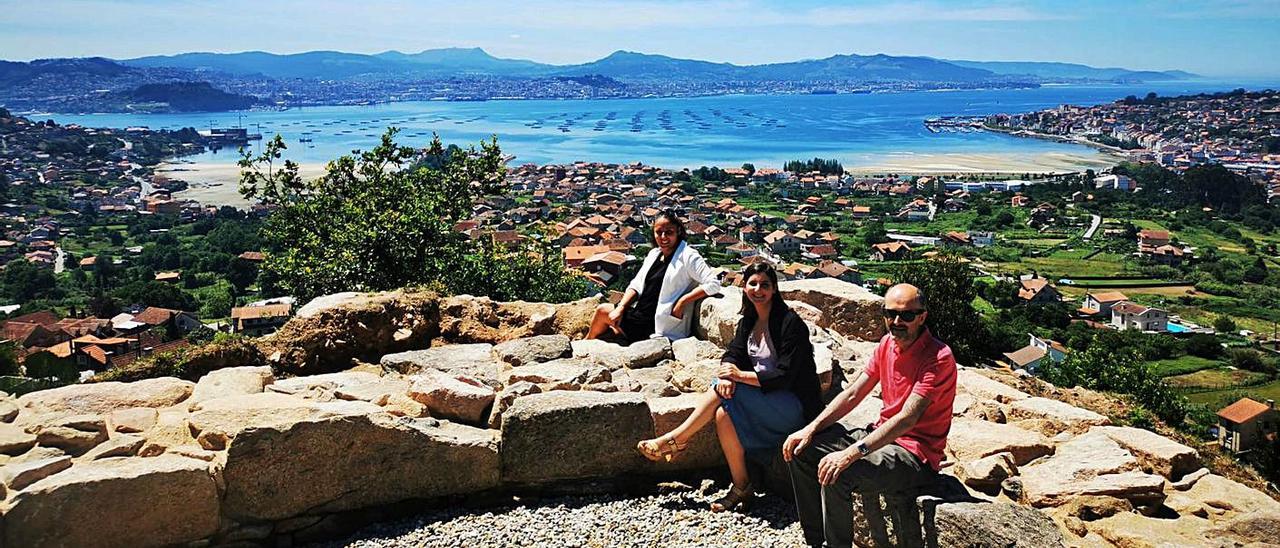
x=660, y=450
x=736, y=497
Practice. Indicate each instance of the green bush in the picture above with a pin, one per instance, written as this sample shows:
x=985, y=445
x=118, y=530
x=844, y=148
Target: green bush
x=384, y=220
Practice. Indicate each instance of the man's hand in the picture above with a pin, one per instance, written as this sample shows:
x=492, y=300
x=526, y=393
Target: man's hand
x=796, y=442
x=830, y=467
x=677, y=310
x=724, y=388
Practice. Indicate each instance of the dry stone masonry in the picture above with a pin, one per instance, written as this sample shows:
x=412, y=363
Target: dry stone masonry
x=370, y=400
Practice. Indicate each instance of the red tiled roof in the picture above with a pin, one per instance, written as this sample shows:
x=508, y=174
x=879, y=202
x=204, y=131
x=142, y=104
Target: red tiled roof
x=155, y=316
x=1243, y=411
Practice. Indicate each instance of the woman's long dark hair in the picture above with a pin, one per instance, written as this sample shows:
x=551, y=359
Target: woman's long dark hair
x=748, y=309
x=682, y=233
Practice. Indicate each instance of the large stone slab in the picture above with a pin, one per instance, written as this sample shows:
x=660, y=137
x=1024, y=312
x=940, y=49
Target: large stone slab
x=473, y=360
x=1231, y=496
x=1130, y=529
x=851, y=310
x=690, y=349
x=15, y=440
x=694, y=376
x=971, y=440
x=454, y=397
x=326, y=381
x=232, y=381
x=638, y=355
x=1156, y=454
x=1055, y=416
x=530, y=350
x=718, y=316
x=216, y=422
x=117, y=502
x=566, y=435
x=703, y=450
x=18, y=475
x=975, y=384
x=991, y=525
x=346, y=462
x=567, y=374
x=1091, y=464
x=100, y=398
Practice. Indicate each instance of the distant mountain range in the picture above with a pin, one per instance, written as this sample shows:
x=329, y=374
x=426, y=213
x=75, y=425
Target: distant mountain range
x=625, y=65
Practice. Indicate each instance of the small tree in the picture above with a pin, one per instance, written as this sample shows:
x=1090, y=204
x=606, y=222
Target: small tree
x=947, y=281
x=1224, y=324
x=384, y=219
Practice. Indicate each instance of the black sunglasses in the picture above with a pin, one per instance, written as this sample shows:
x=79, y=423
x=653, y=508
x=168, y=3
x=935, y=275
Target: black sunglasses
x=906, y=315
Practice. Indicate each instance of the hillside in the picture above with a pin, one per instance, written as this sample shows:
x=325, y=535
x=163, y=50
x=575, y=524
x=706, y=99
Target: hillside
x=463, y=396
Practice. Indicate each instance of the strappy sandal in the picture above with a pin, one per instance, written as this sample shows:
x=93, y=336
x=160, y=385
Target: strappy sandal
x=736, y=497
x=660, y=450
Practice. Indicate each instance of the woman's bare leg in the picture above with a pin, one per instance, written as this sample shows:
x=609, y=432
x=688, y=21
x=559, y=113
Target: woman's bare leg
x=600, y=321
x=732, y=448
x=701, y=415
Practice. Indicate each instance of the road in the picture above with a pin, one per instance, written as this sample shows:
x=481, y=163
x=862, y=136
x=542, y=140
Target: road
x=1093, y=227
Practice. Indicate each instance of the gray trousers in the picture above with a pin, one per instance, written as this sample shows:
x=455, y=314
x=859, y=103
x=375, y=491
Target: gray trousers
x=826, y=512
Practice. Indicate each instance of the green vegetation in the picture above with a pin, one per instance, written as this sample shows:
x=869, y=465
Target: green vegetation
x=384, y=220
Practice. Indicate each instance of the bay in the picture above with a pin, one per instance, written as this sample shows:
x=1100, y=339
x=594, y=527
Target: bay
x=866, y=132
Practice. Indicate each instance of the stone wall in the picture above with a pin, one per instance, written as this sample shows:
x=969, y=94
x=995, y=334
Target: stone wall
x=440, y=398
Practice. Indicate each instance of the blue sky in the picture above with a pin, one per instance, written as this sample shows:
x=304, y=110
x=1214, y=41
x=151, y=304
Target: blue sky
x=1238, y=38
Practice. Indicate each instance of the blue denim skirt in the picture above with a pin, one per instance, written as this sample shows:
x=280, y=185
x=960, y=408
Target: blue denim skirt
x=762, y=420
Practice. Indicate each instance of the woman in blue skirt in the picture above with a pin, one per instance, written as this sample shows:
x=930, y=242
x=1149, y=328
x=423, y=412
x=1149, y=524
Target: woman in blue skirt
x=765, y=388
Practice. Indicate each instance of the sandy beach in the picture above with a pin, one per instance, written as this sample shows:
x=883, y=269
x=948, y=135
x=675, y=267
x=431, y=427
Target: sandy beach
x=217, y=184
x=1012, y=163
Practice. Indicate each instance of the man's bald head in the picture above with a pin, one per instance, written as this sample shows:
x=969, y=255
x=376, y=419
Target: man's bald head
x=905, y=312
x=905, y=297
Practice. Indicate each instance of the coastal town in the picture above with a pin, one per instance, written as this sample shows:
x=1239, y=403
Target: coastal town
x=1237, y=130
x=106, y=264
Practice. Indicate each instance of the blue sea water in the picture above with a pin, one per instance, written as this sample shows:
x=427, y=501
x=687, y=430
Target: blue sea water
x=670, y=132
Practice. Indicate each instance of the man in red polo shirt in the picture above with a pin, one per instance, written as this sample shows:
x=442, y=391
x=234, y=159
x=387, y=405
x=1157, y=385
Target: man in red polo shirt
x=917, y=378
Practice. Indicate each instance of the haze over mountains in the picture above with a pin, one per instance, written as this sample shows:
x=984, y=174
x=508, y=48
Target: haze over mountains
x=631, y=66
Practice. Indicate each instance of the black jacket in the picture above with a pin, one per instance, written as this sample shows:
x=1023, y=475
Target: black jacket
x=795, y=357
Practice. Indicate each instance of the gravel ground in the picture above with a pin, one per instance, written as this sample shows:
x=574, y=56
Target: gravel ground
x=676, y=518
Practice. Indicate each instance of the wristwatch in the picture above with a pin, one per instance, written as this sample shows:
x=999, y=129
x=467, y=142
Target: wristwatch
x=862, y=449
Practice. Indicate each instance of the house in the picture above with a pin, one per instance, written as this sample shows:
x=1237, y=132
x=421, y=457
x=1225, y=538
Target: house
x=890, y=251
x=1115, y=182
x=1149, y=240
x=1037, y=290
x=982, y=239
x=832, y=269
x=252, y=256
x=956, y=239
x=178, y=320
x=781, y=241
x=575, y=255
x=169, y=277
x=1032, y=356
x=1169, y=255
x=1099, y=304
x=1246, y=423
x=255, y=321
x=1131, y=315
x=819, y=252
x=607, y=264
x=860, y=212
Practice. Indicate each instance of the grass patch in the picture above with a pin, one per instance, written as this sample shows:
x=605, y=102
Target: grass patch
x=1221, y=378
x=1183, y=365
x=1218, y=398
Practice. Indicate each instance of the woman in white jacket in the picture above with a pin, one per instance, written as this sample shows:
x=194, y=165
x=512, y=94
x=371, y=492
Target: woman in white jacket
x=657, y=301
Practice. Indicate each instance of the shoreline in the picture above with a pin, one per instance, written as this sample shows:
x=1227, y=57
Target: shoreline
x=217, y=184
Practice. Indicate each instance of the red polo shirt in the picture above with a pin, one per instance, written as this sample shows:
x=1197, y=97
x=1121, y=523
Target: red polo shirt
x=926, y=368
